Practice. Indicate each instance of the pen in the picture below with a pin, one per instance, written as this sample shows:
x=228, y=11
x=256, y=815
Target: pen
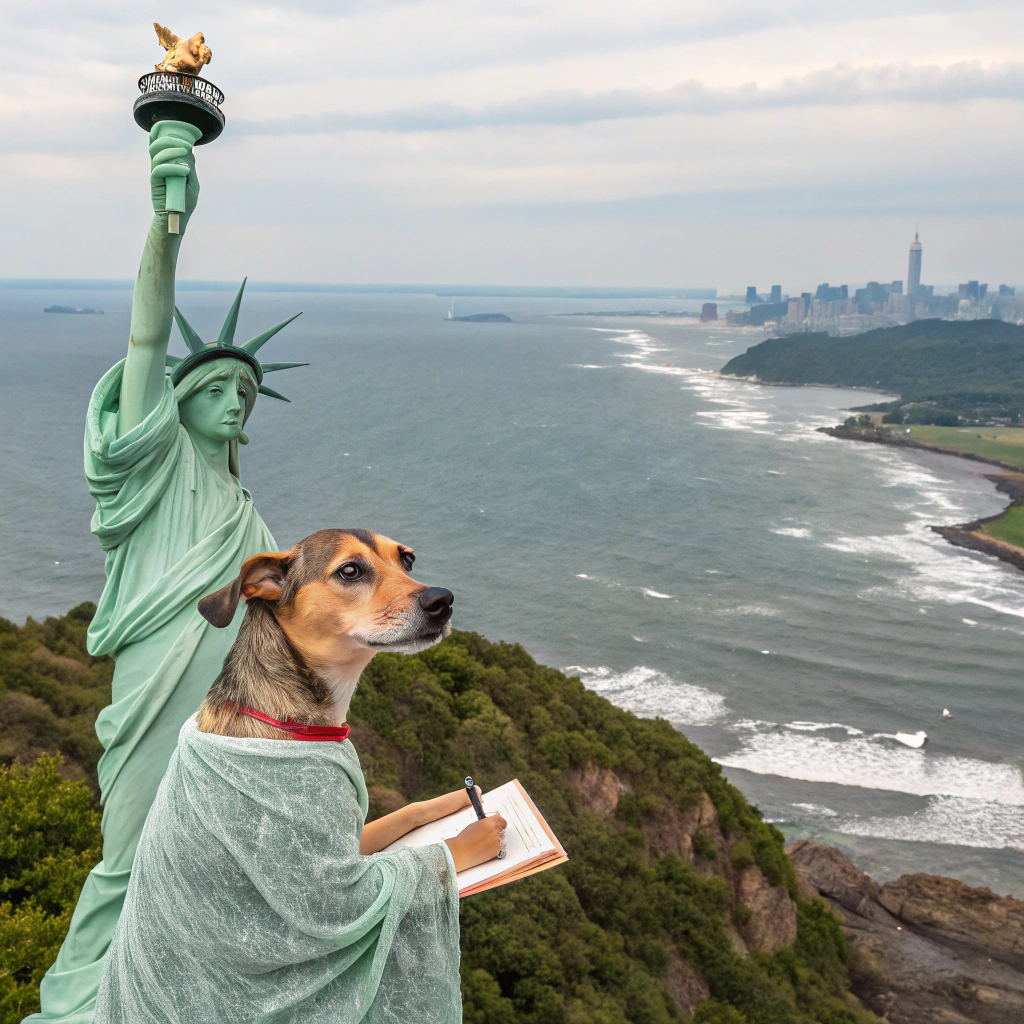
x=474, y=797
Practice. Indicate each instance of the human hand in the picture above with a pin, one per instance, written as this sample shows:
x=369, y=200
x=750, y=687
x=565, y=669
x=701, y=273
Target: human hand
x=479, y=842
x=170, y=153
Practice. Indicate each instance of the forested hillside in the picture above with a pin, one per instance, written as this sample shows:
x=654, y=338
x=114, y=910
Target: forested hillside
x=677, y=900
x=971, y=368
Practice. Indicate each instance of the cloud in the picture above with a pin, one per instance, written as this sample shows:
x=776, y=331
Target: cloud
x=841, y=85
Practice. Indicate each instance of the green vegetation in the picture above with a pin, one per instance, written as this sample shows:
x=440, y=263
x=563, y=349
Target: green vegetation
x=1009, y=527
x=972, y=369
x=605, y=938
x=1005, y=444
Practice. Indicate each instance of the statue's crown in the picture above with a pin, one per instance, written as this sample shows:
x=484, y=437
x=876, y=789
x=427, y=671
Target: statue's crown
x=224, y=347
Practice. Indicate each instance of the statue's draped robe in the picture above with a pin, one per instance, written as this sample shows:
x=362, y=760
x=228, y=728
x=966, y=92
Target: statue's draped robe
x=173, y=531
x=250, y=902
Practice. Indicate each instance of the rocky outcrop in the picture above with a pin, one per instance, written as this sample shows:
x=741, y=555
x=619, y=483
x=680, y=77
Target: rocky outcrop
x=686, y=987
x=772, y=922
x=598, y=788
x=670, y=830
x=924, y=949
x=951, y=911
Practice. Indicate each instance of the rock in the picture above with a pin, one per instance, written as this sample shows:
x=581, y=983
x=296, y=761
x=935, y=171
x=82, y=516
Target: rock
x=834, y=875
x=669, y=830
x=599, y=788
x=947, y=909
x=772, y=923
x=923, y=949
x=687, y=988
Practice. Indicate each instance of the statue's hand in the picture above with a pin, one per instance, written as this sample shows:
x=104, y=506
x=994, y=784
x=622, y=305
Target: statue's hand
x=170, y=152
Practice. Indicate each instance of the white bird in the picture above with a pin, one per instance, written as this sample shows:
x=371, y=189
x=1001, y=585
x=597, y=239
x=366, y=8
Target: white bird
x=946, y=713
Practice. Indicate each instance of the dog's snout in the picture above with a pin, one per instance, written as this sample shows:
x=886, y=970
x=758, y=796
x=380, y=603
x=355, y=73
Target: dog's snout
x=436, y=603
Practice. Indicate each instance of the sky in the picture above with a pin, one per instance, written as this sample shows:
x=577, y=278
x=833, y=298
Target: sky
x=655, y=143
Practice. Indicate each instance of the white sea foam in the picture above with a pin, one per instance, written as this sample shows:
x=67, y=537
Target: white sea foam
x=938, y=572
x=820, y=726
x=792, y=531
x=749, y=609
x=653, y=694
x=949, y=820
x=817, y=810
x=654, y=593
x=875, y=763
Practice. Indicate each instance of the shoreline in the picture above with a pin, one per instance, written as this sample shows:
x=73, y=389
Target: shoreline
x=963, y=535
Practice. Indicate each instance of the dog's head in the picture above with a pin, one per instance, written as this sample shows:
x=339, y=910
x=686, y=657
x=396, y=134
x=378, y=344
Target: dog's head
x=338, y=592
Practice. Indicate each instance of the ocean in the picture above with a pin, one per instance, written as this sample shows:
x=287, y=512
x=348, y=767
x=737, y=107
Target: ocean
x=690, y=546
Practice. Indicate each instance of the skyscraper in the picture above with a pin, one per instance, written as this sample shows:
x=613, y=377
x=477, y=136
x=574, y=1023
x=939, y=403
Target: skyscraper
x=914, y=269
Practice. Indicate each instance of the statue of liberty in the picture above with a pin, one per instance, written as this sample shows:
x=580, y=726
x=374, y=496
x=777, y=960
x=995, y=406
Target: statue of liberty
x=161, y=460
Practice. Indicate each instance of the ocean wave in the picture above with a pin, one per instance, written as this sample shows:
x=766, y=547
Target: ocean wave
x=817, y=810
x=747, y=609
x=950, y=820
x=648, y=592
x=938, y=572
x=652, y=694
x=874, y=763
x=791, y=531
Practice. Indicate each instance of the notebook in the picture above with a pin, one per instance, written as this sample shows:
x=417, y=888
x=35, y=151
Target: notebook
x=530, y=845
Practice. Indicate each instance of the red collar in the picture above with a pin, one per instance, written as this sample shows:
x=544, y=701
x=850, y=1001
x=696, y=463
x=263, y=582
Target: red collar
x=315, y=733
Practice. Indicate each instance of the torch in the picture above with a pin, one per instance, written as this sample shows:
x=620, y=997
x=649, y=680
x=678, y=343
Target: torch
x=174, y=92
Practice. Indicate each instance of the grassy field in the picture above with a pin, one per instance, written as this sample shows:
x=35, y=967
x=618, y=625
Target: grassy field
x=1003, y=443
x=1009, y=527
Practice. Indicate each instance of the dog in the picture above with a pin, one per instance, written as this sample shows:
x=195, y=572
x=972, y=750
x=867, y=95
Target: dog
x=186, y=56
x=315, y=616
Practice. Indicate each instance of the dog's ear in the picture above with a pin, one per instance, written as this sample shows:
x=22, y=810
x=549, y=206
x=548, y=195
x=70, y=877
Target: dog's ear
x=262, y=576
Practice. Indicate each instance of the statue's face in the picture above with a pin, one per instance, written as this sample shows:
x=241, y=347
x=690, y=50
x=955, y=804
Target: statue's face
x=217, y=411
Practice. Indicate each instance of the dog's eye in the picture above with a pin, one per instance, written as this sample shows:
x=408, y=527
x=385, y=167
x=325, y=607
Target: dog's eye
x=407, y=559
x=350, y=571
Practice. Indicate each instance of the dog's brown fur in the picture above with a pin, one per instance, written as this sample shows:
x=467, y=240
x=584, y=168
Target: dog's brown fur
x=308, y=632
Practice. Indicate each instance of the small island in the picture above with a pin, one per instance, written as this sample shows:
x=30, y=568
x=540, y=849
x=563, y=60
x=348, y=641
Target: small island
x=483, y=318
x=69, y=309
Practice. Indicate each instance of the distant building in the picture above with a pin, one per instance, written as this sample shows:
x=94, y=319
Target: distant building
x=828, y=294
x=805, y=304
x=760, y=314
x=972, y=291
x=896, y=288
x=793, y=309
x=776, y=295
x=914, y=268
x=996, y=313
x=752, y=294
x=709, y=311
x=1005, y=289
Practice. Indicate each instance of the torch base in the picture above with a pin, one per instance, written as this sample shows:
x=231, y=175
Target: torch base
x=170, y=96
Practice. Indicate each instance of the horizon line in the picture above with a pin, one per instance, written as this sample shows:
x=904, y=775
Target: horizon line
x=440, y=290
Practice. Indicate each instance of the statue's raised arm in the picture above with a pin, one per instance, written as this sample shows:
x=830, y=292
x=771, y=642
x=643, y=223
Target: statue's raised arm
x=170, y=150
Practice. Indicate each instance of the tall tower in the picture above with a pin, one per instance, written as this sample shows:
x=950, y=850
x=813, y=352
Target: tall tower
x=914, y=269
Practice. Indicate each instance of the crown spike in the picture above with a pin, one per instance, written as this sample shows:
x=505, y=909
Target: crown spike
x=172, y=360
x=194, y=342
x=264, y=390
x=253, y=345
x=271, y=367
x=227, y=332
